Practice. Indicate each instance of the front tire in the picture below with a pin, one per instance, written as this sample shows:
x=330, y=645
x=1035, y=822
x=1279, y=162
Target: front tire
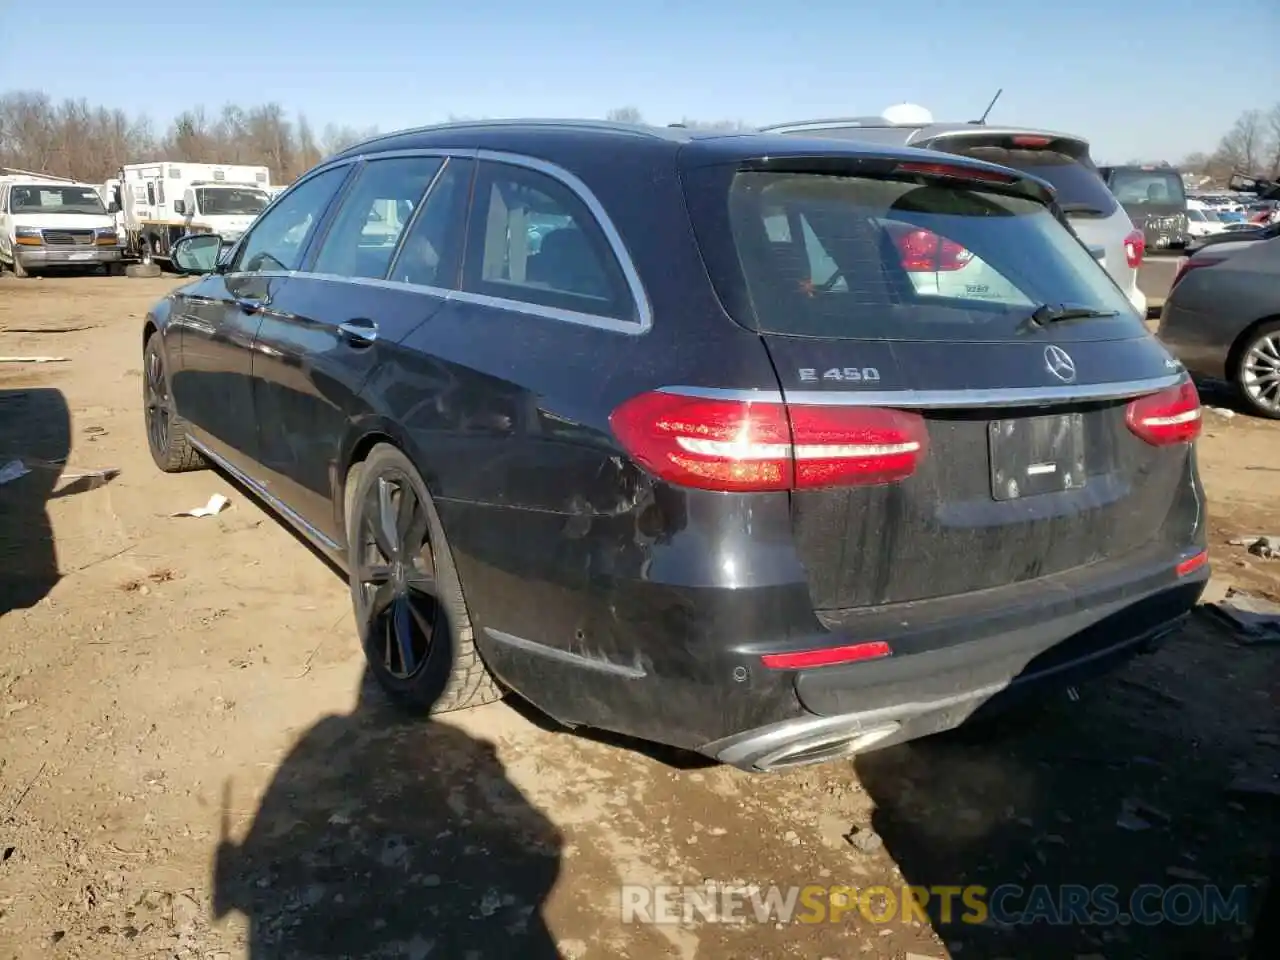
x=413, y=621
x=1258, y=371
x=167, y=436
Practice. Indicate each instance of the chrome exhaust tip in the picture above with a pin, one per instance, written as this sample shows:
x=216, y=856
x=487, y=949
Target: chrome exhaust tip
x=823, y=748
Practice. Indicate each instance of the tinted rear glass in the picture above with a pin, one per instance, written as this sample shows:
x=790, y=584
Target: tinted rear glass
x=1079, y=187
x=1137, y=186
x=859, y=257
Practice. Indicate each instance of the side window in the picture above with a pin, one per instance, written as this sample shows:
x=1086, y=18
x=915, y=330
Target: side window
x=151, y=194
x=373, y=215
x=533, y=240
x=432, y=250
x=278, y=239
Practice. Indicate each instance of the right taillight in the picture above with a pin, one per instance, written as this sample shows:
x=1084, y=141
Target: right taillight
x=756, y=446
x=1135, y=248
x=1168, y=417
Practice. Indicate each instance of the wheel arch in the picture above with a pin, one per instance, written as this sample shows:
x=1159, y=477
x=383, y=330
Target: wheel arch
x=362, y=436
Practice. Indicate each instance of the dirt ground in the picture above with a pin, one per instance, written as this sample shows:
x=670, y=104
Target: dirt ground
x=192, y=766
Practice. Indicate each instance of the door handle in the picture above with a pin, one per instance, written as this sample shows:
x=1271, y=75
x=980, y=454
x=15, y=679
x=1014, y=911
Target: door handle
x=250, y=306
x=359, y=333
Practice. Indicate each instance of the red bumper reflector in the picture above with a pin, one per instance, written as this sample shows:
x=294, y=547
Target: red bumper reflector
x=1192, y=563
x=827, y=656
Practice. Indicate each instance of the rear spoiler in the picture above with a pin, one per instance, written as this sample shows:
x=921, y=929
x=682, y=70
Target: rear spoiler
x=911, y=162
x=1262, y=188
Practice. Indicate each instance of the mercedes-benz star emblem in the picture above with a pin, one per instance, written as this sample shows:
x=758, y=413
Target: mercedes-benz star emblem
x=1058, y=362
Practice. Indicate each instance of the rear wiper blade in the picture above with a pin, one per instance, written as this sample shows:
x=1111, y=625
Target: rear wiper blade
x=1048, y=313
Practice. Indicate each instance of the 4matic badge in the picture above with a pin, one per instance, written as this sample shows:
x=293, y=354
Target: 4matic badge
x=842, y=374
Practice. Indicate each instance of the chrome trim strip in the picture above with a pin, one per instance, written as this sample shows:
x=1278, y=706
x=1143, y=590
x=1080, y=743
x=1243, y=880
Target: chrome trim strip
x=277, y=505
x=913, y=399
x=643, y=308
x=566, y=656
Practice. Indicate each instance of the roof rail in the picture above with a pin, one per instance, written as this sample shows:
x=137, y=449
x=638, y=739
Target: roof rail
x=828, y=122
x=611, y=126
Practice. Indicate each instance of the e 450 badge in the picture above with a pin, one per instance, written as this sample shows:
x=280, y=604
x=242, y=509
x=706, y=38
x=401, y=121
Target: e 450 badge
x=841, y=374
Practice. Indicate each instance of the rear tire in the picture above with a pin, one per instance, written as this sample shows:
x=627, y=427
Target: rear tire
x=1260, y=358
x=145, y=271
x=414, y=626
x=167, y=436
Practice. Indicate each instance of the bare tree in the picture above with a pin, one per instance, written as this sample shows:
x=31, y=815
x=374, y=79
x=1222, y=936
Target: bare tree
x=1273, y=125
x=727, y=126
x=1242, y=147
x=625, y=115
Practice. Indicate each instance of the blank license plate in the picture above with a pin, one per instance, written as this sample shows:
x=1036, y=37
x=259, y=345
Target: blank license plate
x=80, y=256
x=1032, y=456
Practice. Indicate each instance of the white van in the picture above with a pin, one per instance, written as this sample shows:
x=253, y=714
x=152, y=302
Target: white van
x=54, y=223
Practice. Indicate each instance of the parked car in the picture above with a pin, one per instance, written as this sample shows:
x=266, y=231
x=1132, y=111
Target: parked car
x=707, y=469
x=1221, y=315
x=1156, y=200
x=1235, y=233
x=1202, y=220
x=1061, y=159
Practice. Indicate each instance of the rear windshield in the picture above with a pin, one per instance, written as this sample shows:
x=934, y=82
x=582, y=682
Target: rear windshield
x=1134, y=185
x=1080, y=189
x=859, y=257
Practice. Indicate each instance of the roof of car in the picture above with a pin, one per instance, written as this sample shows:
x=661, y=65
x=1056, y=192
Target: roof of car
x=557, y=140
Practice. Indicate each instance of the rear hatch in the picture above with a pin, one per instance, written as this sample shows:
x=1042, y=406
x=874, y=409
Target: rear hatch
x=945, y=442
x=1091, y=209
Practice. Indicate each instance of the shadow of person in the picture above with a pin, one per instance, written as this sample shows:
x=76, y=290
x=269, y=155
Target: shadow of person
x=384, y=837
x=35, y=431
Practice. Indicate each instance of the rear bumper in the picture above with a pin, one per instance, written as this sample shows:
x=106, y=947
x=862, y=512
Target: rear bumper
x=1003, y=657
x=37, y=257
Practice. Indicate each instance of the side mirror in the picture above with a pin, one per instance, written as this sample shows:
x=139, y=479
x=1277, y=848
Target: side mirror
x=196, y=254
x=180, y=208
x=113, y=208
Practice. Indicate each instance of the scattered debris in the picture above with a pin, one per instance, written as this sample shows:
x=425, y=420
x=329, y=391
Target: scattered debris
x=1266, y=546
x=1153, y=691
x=1136, y=815
x=12, y=471
x=33, y=359
x=1183, y=873
x=88, y=480
x=1255, y=787
x=216, y=504
x=1222, y=412
x=1254, y=619
x=865, y=840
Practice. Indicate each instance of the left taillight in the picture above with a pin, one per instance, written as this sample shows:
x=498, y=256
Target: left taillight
x=754, y=446
x=1135, y=248
x=1168, y=417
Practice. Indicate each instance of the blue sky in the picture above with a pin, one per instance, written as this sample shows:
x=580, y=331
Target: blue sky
x=1138, y=78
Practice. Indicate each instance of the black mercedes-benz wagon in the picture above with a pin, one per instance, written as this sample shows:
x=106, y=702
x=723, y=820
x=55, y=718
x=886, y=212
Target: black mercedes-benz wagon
x=772, y=448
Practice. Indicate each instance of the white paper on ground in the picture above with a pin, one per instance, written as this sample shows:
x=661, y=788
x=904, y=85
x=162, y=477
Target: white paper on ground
x=215, y=505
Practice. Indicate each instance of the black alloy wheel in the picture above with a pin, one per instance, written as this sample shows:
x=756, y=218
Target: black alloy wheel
x=397, y=598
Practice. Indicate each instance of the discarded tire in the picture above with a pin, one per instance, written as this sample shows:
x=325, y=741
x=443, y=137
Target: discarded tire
x=142, y=270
